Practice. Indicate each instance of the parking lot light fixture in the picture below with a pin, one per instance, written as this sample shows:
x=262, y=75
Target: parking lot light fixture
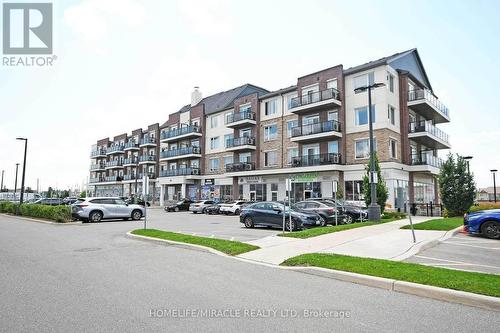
x=493, y=171
x=24, y=169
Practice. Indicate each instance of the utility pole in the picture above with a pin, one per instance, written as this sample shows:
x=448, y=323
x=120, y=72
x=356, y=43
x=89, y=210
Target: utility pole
x=15, y=182
x=24, y=168
x=494, y=185
x=1, y=186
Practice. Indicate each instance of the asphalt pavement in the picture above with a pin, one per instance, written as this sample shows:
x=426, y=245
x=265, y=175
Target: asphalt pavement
x=89, y=278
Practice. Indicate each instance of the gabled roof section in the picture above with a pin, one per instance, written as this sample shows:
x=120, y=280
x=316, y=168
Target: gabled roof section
x=408, y=60
x=225, y=100
x=279, y=92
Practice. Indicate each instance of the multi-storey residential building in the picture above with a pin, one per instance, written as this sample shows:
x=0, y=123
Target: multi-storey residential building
x=244, y=142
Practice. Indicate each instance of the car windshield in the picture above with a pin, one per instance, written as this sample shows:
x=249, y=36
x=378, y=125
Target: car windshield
x=179, y=202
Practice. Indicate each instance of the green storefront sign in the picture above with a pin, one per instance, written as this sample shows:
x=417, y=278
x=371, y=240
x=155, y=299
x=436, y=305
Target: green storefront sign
x=304, y=177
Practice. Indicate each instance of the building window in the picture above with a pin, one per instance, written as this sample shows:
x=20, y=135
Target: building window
x=214, y=121
x=245, y=157
x=354, y=190
x=363, y=148
x=390, y=79
x=289, y=125
x=227, y=139
x=393, y=148
x=391, y=114
x=274, y=192
x=362, y=115
x=214, y=143
x=271, y=107
x=245, y=108
x=364, y=80
x=289, y=99
x=228, y=160
x=270, y=158
x=331, y=84
x=270, y=132
x=292, y=153
x=214, y=164
x=333, y=147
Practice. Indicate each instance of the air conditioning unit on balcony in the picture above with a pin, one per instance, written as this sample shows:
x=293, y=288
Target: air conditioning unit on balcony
x=248, y=167
x=196, y=172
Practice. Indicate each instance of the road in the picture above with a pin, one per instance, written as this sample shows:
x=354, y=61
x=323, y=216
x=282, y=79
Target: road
x=88, y=278
x=463, y=252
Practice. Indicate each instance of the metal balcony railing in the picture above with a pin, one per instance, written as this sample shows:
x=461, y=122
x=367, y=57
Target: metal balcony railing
x=315, y=128
x=99, y=166
x=237, y=116
x=147, y=140
x=242, y=166
x=315, y=97
x=147, y=158
x=426, y=159
x=180, y=131
x=130, y=145
x=426, y=94
x=180, y=172
x=113, y=178
x=115, y=149
x=97, y=180
x=315, y=160
x=99, y=152
x=242, y=141
x=114, y=163
x=130, y=160
x=180, y=152
x=425, y=126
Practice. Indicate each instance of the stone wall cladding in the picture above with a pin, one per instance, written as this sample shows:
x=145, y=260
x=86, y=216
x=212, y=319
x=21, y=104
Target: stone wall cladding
x=206, y=170
x=382, y=137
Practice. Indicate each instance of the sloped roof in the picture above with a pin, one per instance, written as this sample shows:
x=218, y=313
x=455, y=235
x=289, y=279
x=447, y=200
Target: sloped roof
x=279, y=91
x=225, y=99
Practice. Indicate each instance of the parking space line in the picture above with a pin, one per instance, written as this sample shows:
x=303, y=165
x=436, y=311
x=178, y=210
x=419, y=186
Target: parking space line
x=456, y=262
x=479, y=247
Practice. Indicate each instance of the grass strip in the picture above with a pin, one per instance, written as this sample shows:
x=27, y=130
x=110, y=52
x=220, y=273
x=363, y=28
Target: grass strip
x=313, y=232
x=444, y=224
x=231, y=248
x=479, y=283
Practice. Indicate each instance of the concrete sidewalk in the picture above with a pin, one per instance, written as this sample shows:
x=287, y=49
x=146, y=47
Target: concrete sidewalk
x=384, y=241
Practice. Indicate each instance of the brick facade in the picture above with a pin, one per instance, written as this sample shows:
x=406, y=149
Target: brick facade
x=382, y=137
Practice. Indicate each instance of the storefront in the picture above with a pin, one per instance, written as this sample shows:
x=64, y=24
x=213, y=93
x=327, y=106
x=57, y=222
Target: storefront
x=217, y=189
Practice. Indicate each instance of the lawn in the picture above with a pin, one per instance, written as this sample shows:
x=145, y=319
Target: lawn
x=444, y=224
x=313, y=232
x=231, y=248
x=479, y=283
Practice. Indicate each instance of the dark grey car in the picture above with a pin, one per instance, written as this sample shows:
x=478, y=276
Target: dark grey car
x=326, y=210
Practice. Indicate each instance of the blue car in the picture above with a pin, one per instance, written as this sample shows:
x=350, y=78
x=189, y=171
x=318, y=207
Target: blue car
x=485, y=222
x=270, y=214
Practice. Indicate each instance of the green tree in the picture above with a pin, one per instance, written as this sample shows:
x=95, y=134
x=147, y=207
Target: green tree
x=382, y=192
x=456, y=185
x=83, y=194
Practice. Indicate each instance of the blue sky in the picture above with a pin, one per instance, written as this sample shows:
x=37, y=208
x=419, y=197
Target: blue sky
x=124, y=64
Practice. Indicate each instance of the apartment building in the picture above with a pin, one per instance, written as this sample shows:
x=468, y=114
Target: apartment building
x=244, y=142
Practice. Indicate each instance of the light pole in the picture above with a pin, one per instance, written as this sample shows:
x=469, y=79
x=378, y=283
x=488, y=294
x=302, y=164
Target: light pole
x=468, y=158
x=493, y=171
x=373, y=208
x=24, y=168
x=15, y=182
x=1, y=186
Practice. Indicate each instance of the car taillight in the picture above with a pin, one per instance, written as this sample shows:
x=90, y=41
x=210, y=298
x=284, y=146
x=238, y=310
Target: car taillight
x=331, y=211
x=81, y=206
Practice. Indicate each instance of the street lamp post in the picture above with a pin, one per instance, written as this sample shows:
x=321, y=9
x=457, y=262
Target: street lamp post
x=15, y=182
x=468, y=158
x=493, y=171
x=373, y=208
x=24, y=168
x=1, y=186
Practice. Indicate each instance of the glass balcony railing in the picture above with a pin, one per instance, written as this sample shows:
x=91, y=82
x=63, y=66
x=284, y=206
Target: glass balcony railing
x=114, y=163
x=130, y=160
x=242, y=166
x=316, y=128
x=115, y=149
x=147, y=141
x=99, y=166
x=426, y=94
x=138, y=176
x=315, y=97
x=99, y=152
x=180, y=152
x=237, y=116
x=426, y=159
x=242, y=141
x=180, y=131
x=180, y=172
x=147, y=158
x=425, y=126
x=97, y=180
x=131, y=145
x=315, y=160
x=113, y=178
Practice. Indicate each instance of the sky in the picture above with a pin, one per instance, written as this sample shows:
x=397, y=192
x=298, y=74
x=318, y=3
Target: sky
x=125, y=64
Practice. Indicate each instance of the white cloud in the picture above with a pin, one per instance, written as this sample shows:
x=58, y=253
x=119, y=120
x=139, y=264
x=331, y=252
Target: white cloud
x=207, y=18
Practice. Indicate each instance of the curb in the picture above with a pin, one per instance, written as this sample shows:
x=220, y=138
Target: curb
x=441, y=294
x=40, y=221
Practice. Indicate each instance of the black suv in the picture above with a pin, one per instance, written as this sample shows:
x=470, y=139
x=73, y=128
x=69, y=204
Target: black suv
x=356, y=213
x=325, y=209
x=183, y=204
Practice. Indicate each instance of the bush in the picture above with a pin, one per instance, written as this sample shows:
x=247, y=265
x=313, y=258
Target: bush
x=55, y=213
x=484, y=206
x=391, y=215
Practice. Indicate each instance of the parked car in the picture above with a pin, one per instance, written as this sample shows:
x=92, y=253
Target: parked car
x=49, y=201
x=138, y=201
x=270, y=214
x=69, y=200
x=101, y=208
x=484, y=222
x=200, y=206
x=232, y=207
x=212, y=209
x=326, y=209
x=355, y=212
x=179, y=205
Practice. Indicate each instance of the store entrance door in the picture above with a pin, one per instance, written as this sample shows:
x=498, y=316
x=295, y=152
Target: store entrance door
x=252, y=196
x=307, y=194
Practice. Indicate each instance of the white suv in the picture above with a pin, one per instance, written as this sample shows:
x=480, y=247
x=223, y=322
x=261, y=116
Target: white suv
x=97, y=209
x=232, y=207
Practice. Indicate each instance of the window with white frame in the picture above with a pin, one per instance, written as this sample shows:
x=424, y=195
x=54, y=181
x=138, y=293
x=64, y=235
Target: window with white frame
x=245, y=108
x=274, y=192
x=364, y=80
x=214, y=164
x=362, y=115
x=214, y=143
x=291, y=154
x=214, y=121
x=333, y=147
x=393, y=148
x=289, y=125
x=227, y=140
x=289, y=99
x=270, y=158
x=362, y=148
x=270, y=132
x=331, y=84
x=228, y=160
x=390, y=82
x=391, y=114
x=245, y=157
x=271, y=107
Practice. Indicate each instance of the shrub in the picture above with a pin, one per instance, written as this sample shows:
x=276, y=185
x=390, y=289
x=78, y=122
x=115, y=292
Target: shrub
x=395, y=215
x=7, y=207
x=56, y=213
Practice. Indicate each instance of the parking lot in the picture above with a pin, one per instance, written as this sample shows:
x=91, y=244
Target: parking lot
x=463, y=252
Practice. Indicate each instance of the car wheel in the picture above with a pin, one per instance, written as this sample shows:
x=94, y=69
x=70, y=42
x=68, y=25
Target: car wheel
x=291, y=227
x=96, y=216
x=348, y=219
x=176, y=209
x=203, y=210
x=237, y=212
x=248, y=222
x=136, y=215
x=322, y=221
x=85, y=220
x=491, y=229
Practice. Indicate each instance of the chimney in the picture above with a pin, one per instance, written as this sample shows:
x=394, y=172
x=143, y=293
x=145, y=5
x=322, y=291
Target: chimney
x=195, y=96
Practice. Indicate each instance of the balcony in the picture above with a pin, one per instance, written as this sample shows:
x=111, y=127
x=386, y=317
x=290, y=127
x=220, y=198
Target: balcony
x=96, y=180
x=429, y=106
x=115, y=164
x=113, y=178
x=244, y=166
x=147, y=159
x=180, y=172
x=147, y=142
x=316, y=160
x=98, y=166
x=243, y=143
x=243, y=118
x=115, y=150
x=98, y=153
x=131, y=145
x=426, y=159
x=425, y=133
x=131, y=161
x=180, y=133
x=185, y=152
x=316, y=101
x=316, y=131
x=139, y=176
